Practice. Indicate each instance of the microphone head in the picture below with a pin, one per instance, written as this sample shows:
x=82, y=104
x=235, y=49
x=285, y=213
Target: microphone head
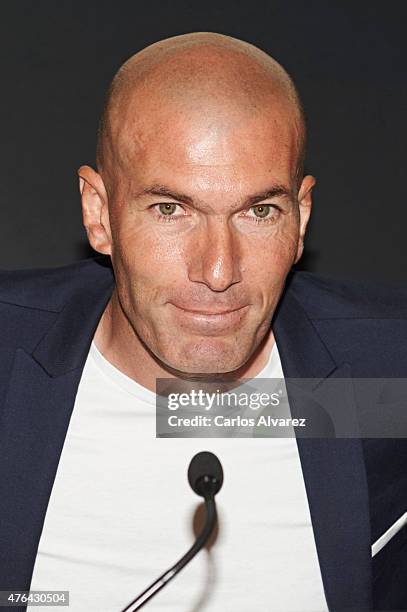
x=205, y=473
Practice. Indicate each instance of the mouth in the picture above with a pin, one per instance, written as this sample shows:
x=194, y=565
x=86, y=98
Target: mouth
x=210, y=321
x=209, y=313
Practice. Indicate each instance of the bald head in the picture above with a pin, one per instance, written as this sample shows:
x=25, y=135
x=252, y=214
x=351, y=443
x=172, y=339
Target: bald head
x=194, y=75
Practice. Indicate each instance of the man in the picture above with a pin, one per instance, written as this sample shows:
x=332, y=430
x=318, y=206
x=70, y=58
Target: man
x=200, y=202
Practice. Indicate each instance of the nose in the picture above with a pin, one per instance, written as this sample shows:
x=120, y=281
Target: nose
x=215, y=259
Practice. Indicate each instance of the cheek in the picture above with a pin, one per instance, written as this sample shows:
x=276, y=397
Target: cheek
x=148, y=256
x=283, y=247
x=272, y=250
x=267, y=261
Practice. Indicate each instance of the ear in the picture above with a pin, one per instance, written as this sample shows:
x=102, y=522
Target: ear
x=95, y=212
x=305, y=204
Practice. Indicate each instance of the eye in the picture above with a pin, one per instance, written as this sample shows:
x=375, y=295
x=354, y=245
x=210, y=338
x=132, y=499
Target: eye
x=167, y=208
x=168, y=211
x=263, y=212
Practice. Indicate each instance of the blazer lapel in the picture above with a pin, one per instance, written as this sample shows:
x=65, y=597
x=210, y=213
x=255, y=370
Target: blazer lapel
x=33, y=426
x=333, y=468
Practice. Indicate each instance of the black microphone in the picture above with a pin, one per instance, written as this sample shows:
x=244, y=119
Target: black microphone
x=205, y=475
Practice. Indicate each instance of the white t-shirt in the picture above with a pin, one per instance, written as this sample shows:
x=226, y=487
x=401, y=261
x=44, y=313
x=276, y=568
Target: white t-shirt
x=122, y=512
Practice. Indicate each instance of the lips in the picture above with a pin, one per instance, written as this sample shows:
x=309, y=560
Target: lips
x=208, y=311
x=209, y=321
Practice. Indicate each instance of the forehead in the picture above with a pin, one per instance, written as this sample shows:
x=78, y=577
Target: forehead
x=208, y=147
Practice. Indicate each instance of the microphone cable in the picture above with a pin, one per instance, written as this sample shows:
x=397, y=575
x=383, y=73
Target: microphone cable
x=205, y=475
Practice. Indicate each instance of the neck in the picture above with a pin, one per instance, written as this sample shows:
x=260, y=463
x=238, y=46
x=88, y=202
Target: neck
x=116, y=339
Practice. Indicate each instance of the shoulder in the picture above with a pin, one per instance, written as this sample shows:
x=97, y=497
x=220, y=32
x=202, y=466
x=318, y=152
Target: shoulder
x=50, y=288
x=31, y=300
x=328, y=298
x=361, y=323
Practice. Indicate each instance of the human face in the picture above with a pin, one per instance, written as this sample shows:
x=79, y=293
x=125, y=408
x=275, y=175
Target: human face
x=206, y=221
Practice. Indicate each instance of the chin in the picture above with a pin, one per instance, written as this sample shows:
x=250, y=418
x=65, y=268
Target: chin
x=205, y=356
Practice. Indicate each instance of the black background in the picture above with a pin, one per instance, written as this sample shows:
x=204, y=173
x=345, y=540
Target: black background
x=347, y=58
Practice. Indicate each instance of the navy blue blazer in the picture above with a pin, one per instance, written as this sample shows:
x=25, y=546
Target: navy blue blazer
x=356, y=488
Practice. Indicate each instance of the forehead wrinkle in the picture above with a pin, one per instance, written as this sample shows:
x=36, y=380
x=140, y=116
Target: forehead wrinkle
x=203, y=141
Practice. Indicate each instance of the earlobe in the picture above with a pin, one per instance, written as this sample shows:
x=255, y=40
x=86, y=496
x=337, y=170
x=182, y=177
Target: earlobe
x=300, y=250
x=95, y=210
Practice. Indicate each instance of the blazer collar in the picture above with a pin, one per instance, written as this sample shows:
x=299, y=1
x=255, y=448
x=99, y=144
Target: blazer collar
x=303, y=354
x=35, y=419
x=66, y=345
x=333, y=468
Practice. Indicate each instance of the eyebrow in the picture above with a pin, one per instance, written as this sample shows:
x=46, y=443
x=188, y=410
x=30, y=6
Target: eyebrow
x=274, y=191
